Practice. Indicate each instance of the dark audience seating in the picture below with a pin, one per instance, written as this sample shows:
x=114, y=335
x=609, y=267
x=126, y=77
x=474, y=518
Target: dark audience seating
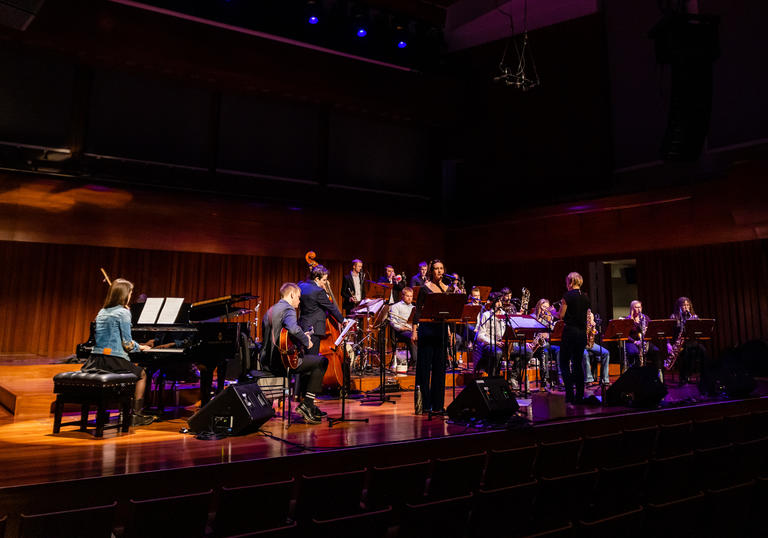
x=94, y=522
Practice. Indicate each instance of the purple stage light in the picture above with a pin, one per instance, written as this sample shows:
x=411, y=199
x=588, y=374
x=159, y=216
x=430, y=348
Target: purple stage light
x=313, y=20
x=401, y=44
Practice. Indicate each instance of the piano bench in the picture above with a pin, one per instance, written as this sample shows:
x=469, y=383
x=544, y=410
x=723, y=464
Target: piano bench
x=94, y=387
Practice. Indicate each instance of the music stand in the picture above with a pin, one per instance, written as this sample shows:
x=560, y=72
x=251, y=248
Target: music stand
x=618, y=331
x=381, y=322
x=523, y=327
x=699, y=329
x=469, y=315
x=443, y=308
x=378, y=290
x=340, y=341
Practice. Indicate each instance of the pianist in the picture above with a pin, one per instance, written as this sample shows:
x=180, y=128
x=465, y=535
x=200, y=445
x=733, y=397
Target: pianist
x=113, y=341
x=283, y=315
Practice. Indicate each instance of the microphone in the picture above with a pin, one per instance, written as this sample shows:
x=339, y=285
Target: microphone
x=449, y=276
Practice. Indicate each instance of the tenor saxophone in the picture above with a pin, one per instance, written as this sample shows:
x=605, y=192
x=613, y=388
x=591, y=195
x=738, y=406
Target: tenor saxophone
x=591, y=329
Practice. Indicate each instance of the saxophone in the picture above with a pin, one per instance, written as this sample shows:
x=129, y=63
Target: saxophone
x=540, y=340
x=677, y=347
x=591, y=329
x=641, y=349
x=526, y=297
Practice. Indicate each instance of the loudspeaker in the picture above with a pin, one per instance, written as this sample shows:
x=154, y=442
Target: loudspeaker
x=728, y=375
x=484, y=398
x=236, y=410
x=637, y=387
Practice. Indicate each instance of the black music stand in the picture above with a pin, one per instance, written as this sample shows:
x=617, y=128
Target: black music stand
x=521, y=328
x=697, y=329
x=618, y=331
x=381, y=322
x=443, y=308
x=344, y=390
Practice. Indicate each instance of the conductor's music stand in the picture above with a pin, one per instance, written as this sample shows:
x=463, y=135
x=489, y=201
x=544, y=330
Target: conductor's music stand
x=618, y=331
x=443, y=308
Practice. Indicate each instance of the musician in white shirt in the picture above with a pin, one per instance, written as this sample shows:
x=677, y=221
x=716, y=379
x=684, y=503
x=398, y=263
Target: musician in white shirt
x=402, y=329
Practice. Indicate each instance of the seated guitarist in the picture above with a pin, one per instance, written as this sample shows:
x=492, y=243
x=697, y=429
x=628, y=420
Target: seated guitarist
x=282, y=315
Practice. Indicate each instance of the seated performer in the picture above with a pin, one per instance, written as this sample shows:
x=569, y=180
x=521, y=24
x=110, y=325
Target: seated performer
x=546, y=352
x=402, y=329
x=474, y=296
x=595, y=351
x=693, y=353
x=489, y=344
x=420, y=278
x=283, y=315
x=637, y=334
x=397, y=282
x=353, y=287
x=113, y=342
x=315, y=305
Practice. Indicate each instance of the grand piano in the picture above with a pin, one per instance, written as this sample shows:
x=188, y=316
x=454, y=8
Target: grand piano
x=199, y=335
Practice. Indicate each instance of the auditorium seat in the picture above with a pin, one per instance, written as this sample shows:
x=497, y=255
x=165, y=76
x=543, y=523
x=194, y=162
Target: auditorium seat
x=627, y=525
x=509, y=467
x=681, y=518
x=561, y=532
x=709, y=433
x=329, y=496
x=736, y=427
x=236, y=507
x=3, y=521
x=620, y=488
x=445, y=518
x=286, y=531
x=182, y=515
x=368, y=524
x=454, y=477
x=751, y=459
x=558, y=458
x=94, y=522
x=638, y=444
x=715, y=468
x=729, y=509
x=510, y=508
x=564, y=498
x=759, y=424
x=673, y=439
x=397, y=485
x=671, y=478
x=601, y=451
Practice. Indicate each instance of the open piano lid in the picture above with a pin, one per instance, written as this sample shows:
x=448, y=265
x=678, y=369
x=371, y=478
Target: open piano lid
x=215, y=309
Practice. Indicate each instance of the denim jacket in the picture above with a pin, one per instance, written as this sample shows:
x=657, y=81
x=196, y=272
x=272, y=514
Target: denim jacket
x=113, y=332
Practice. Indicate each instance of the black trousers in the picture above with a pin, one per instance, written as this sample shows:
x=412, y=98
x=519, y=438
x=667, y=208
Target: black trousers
x=430, y=365
x=405, y=336
x=571, y=356
x=312, y=370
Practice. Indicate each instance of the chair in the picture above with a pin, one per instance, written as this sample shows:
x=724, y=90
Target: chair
x=93, y=522
x=3, y=521
x=674, y=439
x=509, y=467
x=561, y=532
x=397, y=485
x=563, y=499
x=329, y=496
x=620, y=489
x=671, y=478
x=368, y=524
x=454, y=477
x=446, y=518
x=600, y=451
x=638, y=444
x=510, y=508
x=736, y=427
x=759, y=424
x=715, y=467
x=286, y=531
x=181, y=515
x=751, y=459
x=558, y=458
x=235, y=514
x=709, y=433
x=730, y=509
x=627, y=525
x=94, y=387
x=680, y=518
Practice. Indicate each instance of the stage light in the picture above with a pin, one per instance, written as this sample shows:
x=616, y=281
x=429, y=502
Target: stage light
x=313, y=20
x=362, y=32
x=401, y=44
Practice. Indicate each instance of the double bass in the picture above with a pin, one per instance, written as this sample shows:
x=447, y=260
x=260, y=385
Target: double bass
x=334, y=376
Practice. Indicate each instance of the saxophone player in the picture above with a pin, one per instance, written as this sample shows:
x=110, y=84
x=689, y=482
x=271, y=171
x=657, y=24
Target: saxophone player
x=693, y=354
x=633, y=350
x=594, y=351
x=543, y=313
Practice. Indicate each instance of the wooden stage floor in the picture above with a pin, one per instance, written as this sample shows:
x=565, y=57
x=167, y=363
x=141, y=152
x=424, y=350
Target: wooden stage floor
x=30, y=453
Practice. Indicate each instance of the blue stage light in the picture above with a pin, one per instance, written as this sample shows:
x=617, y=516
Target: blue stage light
x=362, y=32
x=313, y=20
x=401, y=44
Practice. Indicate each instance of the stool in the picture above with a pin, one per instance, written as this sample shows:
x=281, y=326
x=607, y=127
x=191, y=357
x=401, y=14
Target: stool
x=94, y=387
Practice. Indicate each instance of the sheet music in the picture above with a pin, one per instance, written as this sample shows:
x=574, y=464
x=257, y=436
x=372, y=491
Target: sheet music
x=150, y=311
x=349, y=324
x=170, y=310
x=526, y=322
x=369, y=306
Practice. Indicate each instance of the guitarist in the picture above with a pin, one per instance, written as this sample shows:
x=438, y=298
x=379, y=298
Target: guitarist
x=282, y=315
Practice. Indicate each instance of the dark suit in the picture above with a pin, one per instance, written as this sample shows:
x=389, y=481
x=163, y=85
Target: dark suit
x=348, y=290
x=314, y=306
x=283, y=315
x=417, y=280
x=397, y=287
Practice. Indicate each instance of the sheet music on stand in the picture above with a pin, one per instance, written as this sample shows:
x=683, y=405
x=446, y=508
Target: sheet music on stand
x=160, y=311
x=369, y=306
x=525, y=325
x=378, y=290
x=348, y=326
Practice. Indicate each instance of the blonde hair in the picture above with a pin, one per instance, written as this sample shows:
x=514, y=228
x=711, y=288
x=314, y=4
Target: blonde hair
x=287, y=288
x=574, y=279
x=118, y=294
x=633, y=303
x=537, y=309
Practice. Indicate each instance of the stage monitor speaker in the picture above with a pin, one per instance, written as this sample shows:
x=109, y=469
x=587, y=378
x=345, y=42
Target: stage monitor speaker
x=727, y=375
x=488, y=398
x=237, y=410
x=637, y=387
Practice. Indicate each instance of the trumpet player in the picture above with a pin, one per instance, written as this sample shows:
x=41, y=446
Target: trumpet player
x=402, y=329
x=397, y=282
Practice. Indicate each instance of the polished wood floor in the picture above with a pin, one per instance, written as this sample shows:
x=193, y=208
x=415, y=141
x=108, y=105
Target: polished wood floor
x=30, y=453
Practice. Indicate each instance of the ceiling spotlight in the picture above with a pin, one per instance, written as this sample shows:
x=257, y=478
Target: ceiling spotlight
x=313, y=19
x=361, y=32
x=401, y=44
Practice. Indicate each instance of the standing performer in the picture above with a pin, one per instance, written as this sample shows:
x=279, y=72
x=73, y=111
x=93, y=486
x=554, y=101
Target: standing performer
x=283, y=315
x=692, y=355
x=432, y=339
x=420, y=278
x=399, y=316
x=315, y=305
x=397, y=281
x=573, y=311
x=113, y=341
x=353, y=287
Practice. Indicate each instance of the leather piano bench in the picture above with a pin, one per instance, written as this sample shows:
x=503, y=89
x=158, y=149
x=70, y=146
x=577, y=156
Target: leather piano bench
x=94, y=387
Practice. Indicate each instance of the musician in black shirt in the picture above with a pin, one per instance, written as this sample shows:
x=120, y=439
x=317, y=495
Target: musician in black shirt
x=573, y=311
